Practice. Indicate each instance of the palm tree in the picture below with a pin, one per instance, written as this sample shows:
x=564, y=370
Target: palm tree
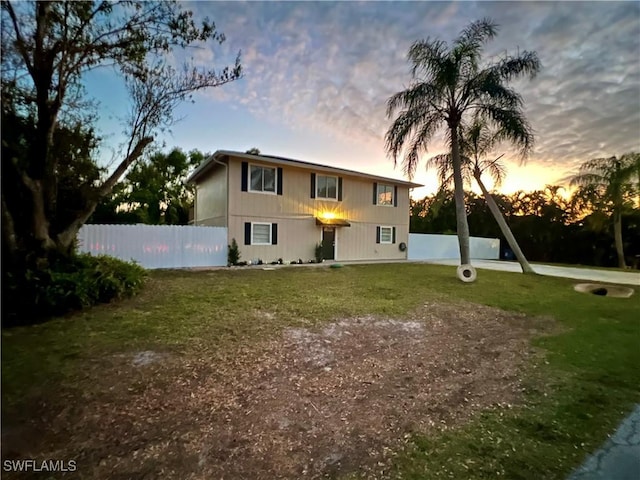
x=448, y=85
x=610, y=184
x=476, y=142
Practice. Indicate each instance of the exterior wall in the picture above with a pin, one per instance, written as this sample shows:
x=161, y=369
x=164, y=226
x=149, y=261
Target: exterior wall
x=295, y=213
x=211, y=199
x=297, y=239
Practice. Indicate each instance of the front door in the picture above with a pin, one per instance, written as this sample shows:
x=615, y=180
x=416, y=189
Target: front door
x=328, y=243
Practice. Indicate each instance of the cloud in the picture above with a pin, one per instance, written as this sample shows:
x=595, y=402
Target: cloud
x=330, y=67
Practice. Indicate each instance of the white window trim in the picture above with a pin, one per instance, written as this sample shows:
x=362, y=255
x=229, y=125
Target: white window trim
x=378, y=195
x=270, y=232
x=275, y=183
x=318, y=196
x=390, y=242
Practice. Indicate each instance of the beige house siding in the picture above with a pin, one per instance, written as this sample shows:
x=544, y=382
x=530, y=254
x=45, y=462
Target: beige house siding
x=297, y=238
x=296, y=202
x=295, y=213
x=358, y=242
x=211, y=199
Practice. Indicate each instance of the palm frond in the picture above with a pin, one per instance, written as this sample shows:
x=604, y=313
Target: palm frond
x=419, y=141
x=511, y=126
x=495, y=168
x=443, y=165
x=476, y=139
x=426, y=56
x=399, y=132
x=412, y=126
x=586, y=179
x=475, y=35
x=525, y=64
x=612, y=180
x=488, y=87
x=419, y=94
x=467, y=48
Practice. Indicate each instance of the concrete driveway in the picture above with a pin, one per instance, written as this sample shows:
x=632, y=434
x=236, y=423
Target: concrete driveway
x=609, y=276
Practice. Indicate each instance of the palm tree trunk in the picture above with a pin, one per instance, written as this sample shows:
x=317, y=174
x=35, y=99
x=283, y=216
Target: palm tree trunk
x=504, y=228
x=617, y=234
x=461, y=210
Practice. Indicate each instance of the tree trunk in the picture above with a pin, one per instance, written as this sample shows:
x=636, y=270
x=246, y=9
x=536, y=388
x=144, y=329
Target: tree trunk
x=461, y=210
x=504, y=228
x=9, y=239
x=66, y=238
x=39, y=220
x=617, y=234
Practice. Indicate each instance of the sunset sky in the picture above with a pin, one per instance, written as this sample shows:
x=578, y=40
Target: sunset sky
x=318, y=74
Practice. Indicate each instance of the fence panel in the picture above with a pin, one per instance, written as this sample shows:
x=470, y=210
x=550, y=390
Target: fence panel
x=157, y=246
x=424, y=246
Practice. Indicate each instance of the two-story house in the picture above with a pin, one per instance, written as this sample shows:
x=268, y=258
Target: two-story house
x=282, y=208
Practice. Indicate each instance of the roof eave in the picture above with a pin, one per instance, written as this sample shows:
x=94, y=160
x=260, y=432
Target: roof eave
x=300, y=163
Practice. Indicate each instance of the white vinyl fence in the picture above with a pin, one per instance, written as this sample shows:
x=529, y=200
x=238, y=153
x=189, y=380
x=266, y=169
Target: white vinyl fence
x=424, y=246
x=157, y=246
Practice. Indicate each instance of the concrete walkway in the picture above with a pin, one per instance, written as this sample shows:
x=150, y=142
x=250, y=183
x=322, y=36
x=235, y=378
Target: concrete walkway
x=592, y=274
x=618, y=458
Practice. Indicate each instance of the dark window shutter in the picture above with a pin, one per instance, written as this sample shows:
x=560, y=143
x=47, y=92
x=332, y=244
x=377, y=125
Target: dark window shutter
x=393, y=239
x=245, y=177
x=247, y=233
x=377, y=234
x=274, y=234
x=279, y=181
x=339, y=189
x=375, y=194
x=313, y=185
x=395, y=197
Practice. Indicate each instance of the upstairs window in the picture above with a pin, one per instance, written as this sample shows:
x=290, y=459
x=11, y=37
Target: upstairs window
x=384, y=195
x=327, y=187
x=262, y=179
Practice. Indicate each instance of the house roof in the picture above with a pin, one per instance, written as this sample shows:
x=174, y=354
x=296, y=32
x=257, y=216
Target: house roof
x=205, y=166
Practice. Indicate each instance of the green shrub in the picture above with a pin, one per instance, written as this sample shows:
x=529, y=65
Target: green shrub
x=318, y=253
x=32, y=294
x=233, y=256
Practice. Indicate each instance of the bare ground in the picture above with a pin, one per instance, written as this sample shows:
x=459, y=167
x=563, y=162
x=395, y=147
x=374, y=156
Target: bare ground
x=307, y=403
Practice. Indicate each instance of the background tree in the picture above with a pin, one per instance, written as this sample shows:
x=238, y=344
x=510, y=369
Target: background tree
x=545, y=222
x=611, y=186
x=48, y=47
x=153, y=192
x=448, y=85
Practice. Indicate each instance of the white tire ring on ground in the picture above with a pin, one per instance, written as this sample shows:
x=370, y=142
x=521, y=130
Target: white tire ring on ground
x=466, y=273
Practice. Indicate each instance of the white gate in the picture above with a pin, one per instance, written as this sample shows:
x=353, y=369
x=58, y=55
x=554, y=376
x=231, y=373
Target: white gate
x=157, y=246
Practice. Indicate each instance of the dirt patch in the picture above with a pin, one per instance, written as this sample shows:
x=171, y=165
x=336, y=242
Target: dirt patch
x=309, y=403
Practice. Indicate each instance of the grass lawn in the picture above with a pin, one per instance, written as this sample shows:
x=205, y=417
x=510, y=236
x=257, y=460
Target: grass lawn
x=585, y=383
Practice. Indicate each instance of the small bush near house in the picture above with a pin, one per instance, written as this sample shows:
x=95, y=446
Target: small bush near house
x=31, y=295
x=318, y=253
x=233, y=257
